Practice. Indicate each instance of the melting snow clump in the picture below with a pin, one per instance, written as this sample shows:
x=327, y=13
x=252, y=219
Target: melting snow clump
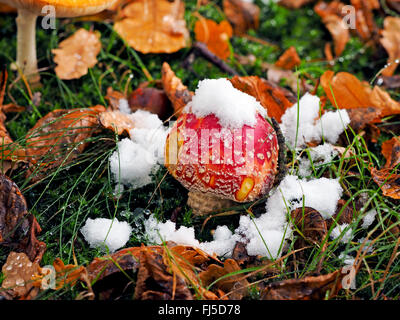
x=140, y=156
x=109, y=233
x=304, y=123
x=338, y=231
x=232, y=107
x=368, y=218
x=319, y=155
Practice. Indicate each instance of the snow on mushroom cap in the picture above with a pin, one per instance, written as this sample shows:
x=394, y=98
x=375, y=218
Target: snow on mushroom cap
x=232, y=107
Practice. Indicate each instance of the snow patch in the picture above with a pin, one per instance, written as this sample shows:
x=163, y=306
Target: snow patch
x=232, y=107
x=102, y=233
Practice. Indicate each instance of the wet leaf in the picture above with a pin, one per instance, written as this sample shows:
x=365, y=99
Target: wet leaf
x=242, y=15
x=59, y=137
x=215, y=36
x=155, y=26
x=77, y=54
x=272, y=97
x=308, y=288
x=388, y=180
x=289, y=59
x=19, y=273
x=116, y=121
x=150, y=99
x=115, y=98
x=67, y=274
x=177, y=92
x=391, y=42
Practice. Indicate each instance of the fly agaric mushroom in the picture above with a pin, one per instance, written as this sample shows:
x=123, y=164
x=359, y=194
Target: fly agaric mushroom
x=222, y=148
x=29, y=10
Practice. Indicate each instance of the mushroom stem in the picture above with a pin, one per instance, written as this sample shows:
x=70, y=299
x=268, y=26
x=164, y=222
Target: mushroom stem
x=205, y=203
x=26, y=45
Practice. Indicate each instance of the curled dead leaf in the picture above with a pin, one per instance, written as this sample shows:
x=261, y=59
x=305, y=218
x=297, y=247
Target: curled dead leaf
x=294, y=4
x=59, y=137
x=308, y=288
x=215, y=36
x=154, y=26
x=77, y=54
x=388, y=180
x=177, y=92
x=272, y=97
x=115, y=98
x=242, y=15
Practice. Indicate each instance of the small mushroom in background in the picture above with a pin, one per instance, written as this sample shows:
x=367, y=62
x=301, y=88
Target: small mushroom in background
x=29, y=10
x=222, y=148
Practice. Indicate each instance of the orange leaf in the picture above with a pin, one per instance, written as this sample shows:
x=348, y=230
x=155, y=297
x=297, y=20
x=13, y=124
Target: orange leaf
x=77, y=54
x=177, y=92
x=294, y=4
x=155, y=26
x=391, y=42
x=116, y=121
x=242, y=15
x=273, y=98
x=67, y=274
x=289, y=59
x=215, y=36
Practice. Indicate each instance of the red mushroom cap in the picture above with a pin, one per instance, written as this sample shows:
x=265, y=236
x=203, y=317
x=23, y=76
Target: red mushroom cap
x=237, y=164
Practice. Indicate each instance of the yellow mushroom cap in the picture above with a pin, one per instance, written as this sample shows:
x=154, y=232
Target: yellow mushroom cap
x=63, y=8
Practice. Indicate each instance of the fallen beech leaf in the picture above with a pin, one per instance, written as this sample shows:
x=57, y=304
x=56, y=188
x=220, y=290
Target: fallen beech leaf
x=242, y=15
x=272, y=97
x=235, y=286
x=178, y=94
x=154, y=282
x=334, y=22
x=19, y=273
x=389, y=181
x=289, y=59
x=150, y=99
x=350, y=93
x=59, y=137
x=365, y=24
x=391, y=42
x=77, y=54
x=156, y=26
x=391, y=152
x=294, y=4
x=308, y=288
x=116, y=121
x=215, y=36
x=311, y=225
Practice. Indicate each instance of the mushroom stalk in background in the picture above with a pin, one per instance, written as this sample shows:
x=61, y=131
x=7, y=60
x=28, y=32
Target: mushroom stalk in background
x=26, y=45
x=29, y=10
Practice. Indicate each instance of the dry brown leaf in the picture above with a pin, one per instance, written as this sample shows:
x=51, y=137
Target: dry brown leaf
x=368, y=105
x=59, y=137
x=330, y=14
x=114, y=98
x=67, y=274
x=19, y=273
x=308, y=288
x=116, y=121
x=77, y=54
x=150, y=99
x=235, y=286
x=365, y=23
x=155, y=26
x=391, y=42
x=388, y=180
x=177, y=92
x=272, y=97
x=289, y=59
x=242, y=15
x=215, y=36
